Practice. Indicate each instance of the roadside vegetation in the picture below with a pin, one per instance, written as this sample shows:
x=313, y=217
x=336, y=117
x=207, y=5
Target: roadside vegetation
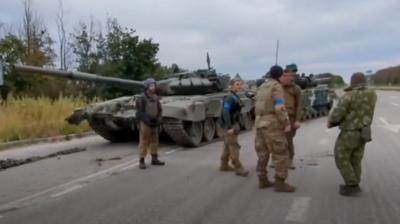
x=29, y=118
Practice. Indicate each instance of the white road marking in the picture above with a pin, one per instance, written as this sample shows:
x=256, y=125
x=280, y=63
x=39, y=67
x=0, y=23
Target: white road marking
x=395, y=104
x=66, y=191
x=323, y=141
x=391, y=127
x=299, y=209
x=105, y=173
x=101, y=174
x=129, y=167
x=171, y=151
x=328, y=130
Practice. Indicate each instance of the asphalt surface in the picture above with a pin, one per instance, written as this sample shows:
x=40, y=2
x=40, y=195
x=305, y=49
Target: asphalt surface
x=189, y=189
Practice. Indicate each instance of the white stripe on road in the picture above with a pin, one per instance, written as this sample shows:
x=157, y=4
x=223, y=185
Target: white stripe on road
x=299, y=209
x=391, y=127
x=170, y=152
x=66, y=191
x=395, y=104
x=62, y=186
x=98, y=175
x=129, y=167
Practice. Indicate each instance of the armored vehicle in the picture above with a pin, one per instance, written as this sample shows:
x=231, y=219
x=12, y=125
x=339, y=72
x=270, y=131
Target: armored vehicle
x=191, y=104
x=317, y=97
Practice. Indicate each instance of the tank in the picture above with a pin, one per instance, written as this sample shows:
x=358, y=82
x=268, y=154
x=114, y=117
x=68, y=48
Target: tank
x=191, y=103
x=317, y=98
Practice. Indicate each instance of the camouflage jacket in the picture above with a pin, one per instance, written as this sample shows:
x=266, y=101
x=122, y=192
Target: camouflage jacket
x=231, y=111
x=354, y=110
x=148, y=109
x=293, y=102
x=270, y=106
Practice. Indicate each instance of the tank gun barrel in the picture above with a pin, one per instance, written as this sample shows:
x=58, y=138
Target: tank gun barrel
x=79, y=76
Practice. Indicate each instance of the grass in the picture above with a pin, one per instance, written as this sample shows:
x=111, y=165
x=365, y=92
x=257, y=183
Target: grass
x=29, y=118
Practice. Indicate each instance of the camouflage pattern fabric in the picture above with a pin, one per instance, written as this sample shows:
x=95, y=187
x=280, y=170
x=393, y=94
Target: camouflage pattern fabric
x=294, y=106
x=289, y=138
x=353, y=112
x=271, y=120
x=270, y=140
x=349, y=151
x=148, y=140
x=355, y=109
x=231, y=150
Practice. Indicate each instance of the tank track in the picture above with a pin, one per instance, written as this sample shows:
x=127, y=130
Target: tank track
x=176, y=130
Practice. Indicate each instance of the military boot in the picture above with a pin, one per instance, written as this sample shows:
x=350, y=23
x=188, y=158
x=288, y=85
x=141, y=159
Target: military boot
x=241, y=172
x=282, y=186
x=226, y=167
x=155, y=161
x=264, y=182
x=142, y=165
x=292, y=166
x=348, y=190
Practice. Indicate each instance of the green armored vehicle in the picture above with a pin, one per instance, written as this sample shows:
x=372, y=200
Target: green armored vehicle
x=317, y=97
x=191, y=103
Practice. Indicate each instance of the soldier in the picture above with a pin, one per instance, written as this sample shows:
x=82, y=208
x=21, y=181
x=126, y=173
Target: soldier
x=293, y=104
x=272, y=125
x=149, y=114
x=231, y=113
x=353, y=114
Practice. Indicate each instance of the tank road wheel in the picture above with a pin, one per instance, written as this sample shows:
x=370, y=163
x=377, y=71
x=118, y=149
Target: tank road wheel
x=208, y=129
x=194, y=131
x=219, y=128
x=246, y=122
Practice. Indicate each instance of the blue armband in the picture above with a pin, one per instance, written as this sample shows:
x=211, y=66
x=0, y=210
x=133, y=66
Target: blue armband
x=227, y=105
x=278, y=101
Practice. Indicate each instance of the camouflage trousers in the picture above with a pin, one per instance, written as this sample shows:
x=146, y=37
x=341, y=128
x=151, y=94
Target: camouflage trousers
x=349, y=151
x=231, y=150
x=271, y=141
x=289, y=138
x=148, y=140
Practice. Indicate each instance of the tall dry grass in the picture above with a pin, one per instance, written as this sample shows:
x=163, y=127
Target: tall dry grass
x=28, y=118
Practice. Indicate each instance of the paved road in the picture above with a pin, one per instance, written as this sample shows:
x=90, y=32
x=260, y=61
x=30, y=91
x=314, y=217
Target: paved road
x=190, y=189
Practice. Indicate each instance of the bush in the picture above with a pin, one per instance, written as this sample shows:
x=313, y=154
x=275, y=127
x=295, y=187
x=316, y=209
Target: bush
x=29, y=118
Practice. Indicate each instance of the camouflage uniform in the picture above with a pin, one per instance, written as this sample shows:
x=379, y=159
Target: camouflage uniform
x=271, y=120
x=293, y=104
x=149, y=114
x=231, y=114
x=353, y=114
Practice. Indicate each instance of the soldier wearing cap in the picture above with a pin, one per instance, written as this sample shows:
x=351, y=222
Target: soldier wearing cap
x=148, y=112
x=272, y=125
x=353, y=115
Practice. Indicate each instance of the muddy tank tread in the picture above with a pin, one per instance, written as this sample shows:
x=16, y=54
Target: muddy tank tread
x=175, y=130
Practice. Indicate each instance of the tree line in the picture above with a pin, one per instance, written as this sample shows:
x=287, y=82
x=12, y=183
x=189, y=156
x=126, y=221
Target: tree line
x=386, y=77
x=109, y=49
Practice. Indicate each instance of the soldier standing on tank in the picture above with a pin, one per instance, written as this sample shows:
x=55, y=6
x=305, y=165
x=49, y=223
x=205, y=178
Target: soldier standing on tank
x=353, y=114
x=149, y=114
x=293, y=104
x=231, y=113
x=272, y=126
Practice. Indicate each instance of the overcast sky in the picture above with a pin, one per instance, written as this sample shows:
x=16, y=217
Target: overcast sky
x=342, y=36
